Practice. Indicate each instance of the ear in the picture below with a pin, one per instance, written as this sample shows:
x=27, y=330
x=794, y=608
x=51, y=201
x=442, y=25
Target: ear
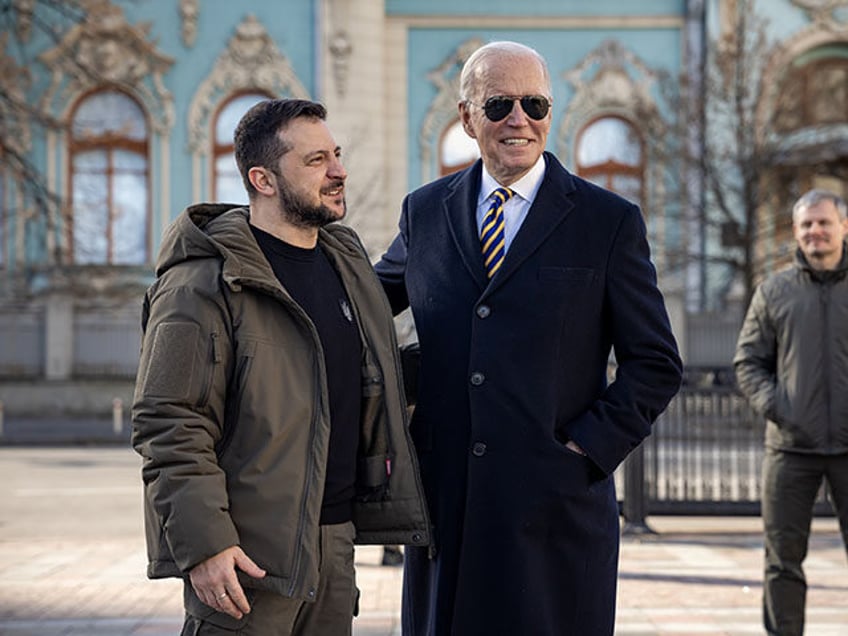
x=262, y=180
x=465, y=118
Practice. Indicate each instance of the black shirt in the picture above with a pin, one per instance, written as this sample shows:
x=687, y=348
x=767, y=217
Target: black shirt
x=310, y=278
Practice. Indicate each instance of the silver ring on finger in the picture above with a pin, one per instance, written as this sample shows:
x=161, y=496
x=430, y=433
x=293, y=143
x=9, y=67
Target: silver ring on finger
x=221, y=596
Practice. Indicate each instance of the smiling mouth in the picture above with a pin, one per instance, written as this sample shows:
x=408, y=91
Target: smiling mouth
x=516, y=142
x=334, y=191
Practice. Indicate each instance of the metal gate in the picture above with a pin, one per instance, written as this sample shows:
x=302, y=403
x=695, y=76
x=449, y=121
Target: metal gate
x=703, y=457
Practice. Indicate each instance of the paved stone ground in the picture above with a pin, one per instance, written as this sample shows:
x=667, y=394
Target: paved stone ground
x=72, y=562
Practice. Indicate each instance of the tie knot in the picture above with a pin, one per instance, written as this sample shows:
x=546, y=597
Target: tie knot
x=502, y=195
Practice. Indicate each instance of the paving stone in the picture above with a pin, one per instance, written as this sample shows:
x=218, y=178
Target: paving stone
x=65, y=571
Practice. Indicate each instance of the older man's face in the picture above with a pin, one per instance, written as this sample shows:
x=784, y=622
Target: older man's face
x=511, y=146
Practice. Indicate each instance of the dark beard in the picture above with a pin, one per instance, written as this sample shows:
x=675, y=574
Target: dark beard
x=299, y=212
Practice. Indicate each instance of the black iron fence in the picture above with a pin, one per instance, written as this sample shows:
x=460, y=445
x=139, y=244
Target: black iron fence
x=704, y=457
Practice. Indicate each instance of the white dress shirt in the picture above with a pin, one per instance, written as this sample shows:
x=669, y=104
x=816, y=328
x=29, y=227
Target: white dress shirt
x=515, y=209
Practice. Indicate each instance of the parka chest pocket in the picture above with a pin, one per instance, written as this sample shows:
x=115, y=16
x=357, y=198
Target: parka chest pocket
x=180, y=364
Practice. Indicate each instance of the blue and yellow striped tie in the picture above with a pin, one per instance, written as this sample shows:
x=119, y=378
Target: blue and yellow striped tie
x=492, y=232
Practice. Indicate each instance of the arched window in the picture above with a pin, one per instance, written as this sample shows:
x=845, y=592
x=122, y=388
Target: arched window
x=227, y=183
x=815, y=90
x=609, y=153
x=456, y=149
x=110, y=180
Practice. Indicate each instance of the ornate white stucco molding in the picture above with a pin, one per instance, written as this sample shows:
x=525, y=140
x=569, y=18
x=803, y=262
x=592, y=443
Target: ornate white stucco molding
x=780, y=60
x=189, y=13
x=610, y=80
x=14, y=81
x=24, y=10
x=340, y=42
x=105, y=49
x=828, y=14
x=251, y=62
x=443, y=110
x=341, y=49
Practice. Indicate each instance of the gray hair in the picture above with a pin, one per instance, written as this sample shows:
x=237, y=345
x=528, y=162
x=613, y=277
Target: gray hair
x=816, y=196
x=478, y=59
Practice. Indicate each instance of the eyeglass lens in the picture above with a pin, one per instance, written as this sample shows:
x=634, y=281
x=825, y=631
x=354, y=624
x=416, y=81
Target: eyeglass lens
x=498, y=107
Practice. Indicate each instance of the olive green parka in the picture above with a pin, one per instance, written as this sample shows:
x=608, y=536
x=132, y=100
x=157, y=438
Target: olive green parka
x=231, y=411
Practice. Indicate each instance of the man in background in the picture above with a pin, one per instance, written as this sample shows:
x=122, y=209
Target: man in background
x=792, y=364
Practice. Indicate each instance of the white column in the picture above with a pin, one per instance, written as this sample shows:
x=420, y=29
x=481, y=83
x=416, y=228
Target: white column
x=351, y=84
x=59, y=337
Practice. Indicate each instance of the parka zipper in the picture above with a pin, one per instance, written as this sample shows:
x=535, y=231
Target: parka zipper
x=825, y=299
x=297, y=310
x=215, y=354
x=313, y=427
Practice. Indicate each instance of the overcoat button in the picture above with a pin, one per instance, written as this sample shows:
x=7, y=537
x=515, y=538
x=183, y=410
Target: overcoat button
x=478, y=449
x=477, y=378
x=416, y=537
x=483, y=311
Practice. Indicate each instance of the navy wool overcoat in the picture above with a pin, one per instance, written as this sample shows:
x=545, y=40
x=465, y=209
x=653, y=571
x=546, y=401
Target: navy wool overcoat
x=526, y=531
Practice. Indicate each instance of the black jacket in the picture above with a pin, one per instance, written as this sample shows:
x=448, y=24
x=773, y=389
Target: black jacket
x=792, y=357
x=526, y=530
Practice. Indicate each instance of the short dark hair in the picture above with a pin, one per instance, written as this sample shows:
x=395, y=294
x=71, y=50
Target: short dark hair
x=255, y=139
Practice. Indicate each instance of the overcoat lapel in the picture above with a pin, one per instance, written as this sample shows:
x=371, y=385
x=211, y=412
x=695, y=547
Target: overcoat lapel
x=550, y=208
x=460, y=207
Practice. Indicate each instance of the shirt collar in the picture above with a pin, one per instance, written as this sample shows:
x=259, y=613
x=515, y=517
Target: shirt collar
x=526, y=187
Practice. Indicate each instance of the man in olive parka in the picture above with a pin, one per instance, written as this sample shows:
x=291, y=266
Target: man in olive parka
x=792, y=364
x=269, y=409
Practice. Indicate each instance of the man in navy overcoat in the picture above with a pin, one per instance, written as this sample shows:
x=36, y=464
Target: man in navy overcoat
x=516, y=429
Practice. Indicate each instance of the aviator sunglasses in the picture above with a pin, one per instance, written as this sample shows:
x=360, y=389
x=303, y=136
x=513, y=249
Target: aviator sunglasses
x=499, y=106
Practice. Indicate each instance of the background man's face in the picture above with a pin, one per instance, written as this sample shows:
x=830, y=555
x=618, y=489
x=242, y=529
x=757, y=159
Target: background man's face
x=820, y=231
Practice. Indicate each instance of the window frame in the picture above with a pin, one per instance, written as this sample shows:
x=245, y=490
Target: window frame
x=611, y=168
x=217, y=149
x=801, y=77
x=444, y=169
x=109, y=142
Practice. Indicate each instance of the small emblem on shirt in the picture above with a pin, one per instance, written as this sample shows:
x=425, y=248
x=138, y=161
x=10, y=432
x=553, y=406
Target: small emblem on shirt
x=346, y=310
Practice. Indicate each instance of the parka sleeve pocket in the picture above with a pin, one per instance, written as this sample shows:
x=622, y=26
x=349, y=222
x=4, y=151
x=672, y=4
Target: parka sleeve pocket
x=171, y=366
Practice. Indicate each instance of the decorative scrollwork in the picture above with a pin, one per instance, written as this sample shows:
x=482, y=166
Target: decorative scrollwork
x=105, y=48
x=189, y=13
x=832, y=14
x=251, y=62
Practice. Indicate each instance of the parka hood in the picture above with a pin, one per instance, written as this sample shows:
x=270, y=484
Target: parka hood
x=222, y=230
x=202, y=231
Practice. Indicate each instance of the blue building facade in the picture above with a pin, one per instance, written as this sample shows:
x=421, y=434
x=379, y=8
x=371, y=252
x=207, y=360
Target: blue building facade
x=148, y=130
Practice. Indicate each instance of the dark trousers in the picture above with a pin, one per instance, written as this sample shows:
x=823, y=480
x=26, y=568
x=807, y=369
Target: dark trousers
x=791, y=482
x=331, y=614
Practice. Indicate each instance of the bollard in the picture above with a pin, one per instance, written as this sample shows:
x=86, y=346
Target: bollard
x=117, y=416
x=634, y=508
